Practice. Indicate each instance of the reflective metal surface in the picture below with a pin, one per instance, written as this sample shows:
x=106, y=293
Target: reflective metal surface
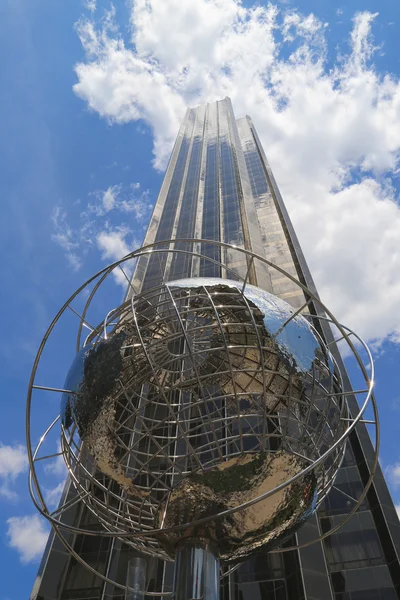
x=136, y=578
x=203, y=398
x=197, y=570
x=233, y=483
x=128, y=512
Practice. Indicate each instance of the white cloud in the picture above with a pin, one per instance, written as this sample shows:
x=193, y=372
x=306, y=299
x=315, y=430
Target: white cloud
x=55, y=469
x=13, y=462
x=28, y=535
x=112, y=243
x=398, y=510
x=95, y=229
x=113, y=246
x=131, y=200
x=110, y=197
x=393, y=474
x=53, y=495
x=107, y=200
x=57, y=466
x=332, y=136
x=90, y=5
x=139, y=207
x=64, y=236
x=295, y=25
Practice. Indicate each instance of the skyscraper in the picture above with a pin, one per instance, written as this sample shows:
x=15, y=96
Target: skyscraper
x=219, y=186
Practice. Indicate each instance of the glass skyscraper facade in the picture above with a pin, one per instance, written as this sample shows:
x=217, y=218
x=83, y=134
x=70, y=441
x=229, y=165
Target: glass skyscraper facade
x=219, y=186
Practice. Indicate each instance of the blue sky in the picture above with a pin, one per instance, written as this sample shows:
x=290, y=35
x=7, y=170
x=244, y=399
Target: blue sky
x=91, y=101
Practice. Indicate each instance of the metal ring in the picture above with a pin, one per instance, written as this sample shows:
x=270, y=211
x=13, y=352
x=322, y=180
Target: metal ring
x=148, y=250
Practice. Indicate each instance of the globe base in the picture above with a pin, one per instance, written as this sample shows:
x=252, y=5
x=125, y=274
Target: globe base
x=196, y=573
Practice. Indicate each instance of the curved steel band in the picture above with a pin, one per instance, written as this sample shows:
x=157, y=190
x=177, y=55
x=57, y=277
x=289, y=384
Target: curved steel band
x=34, y=485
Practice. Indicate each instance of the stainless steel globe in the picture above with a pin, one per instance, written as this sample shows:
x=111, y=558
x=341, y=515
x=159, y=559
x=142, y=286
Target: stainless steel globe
x=206, y=396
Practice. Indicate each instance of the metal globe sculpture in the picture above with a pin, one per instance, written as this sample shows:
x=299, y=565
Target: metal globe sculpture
x=202, y=419
x=203, y=398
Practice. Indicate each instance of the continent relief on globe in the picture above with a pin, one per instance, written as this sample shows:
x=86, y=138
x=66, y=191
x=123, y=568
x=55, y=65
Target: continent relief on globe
x=231, y=484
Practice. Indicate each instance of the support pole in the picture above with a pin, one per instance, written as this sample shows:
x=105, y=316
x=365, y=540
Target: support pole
x=196, y=575
x=136, y=578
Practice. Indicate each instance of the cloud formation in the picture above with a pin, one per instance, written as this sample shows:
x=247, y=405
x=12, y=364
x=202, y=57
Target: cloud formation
x=65, y=237
x=28, y=535
x=53, y=495
x=56, y=471
x=115, y=198
x=393, y=474
x=331, y=132
x=90, y=5
x=113, y=245
x=13, y=462
x=97, y=229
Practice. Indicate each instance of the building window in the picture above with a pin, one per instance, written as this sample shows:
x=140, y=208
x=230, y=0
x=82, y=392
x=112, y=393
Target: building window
x=356, y=545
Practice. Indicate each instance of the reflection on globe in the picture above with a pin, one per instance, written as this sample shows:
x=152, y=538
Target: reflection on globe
x=204, y=397
x=232, y=483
